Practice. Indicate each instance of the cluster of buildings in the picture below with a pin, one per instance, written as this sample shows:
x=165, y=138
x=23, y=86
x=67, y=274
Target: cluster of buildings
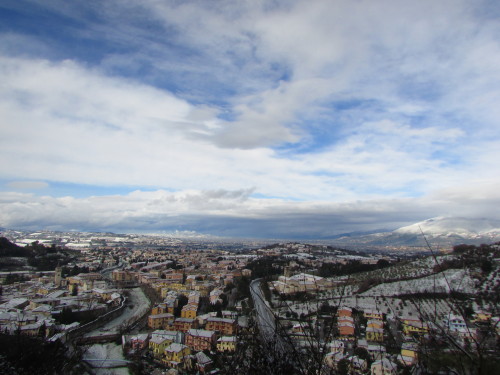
x=42, y=305
x=351, y=335
x=301, y=282
x=180, y=332
x=179, y=347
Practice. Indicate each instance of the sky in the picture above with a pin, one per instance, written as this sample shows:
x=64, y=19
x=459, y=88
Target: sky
x=249, y=118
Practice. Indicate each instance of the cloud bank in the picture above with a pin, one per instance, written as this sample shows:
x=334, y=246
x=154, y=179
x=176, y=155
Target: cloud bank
x=236, y=213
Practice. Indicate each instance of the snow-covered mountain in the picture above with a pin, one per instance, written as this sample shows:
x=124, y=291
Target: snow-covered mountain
x=446, y=226
x=440, y=232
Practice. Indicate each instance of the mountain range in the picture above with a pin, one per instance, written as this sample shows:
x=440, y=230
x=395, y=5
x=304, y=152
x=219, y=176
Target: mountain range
x=439, y=232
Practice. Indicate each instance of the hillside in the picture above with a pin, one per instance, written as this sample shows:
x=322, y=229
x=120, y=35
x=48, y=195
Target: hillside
x=440, y=232
x=35, y=256
x=8, y=249
x=470, y=273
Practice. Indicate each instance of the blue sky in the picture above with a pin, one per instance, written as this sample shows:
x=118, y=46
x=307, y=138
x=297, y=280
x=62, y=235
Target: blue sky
x=248, y=118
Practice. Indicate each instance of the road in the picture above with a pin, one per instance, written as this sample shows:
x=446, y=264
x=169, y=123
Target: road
x=265, y=317
x=266, y=321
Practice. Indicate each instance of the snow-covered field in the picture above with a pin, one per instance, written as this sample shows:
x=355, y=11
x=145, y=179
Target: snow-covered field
x=424, y=309
x=456, y=280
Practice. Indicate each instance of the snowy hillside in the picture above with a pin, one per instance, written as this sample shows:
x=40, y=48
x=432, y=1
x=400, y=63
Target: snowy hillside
x=440, y=232
x=459, y=226
x=457, y=280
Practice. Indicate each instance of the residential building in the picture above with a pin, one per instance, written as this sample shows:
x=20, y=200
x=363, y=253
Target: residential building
x=375, y=323
x=140, y=341
x=346, y=329
x=160, y=321
x=373, y=314
x=344, y=311
x=414, y=326
x=409, y=353
x=158, y=343
x=345, y=319
x=226, y=344
x=160, y=309
x=375, y=334
x=337, y=346
x=222, y=325
x=200, y=339
x=454, y=322
x=185, y=324
x=189, y=311
x=203, y=362
x=383, y=367
x=175, y=354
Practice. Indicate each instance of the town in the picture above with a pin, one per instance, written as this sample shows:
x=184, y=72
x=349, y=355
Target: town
x=168, y=305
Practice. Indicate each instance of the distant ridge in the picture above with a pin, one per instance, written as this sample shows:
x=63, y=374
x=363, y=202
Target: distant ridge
x=442, y=231
x=460, y=226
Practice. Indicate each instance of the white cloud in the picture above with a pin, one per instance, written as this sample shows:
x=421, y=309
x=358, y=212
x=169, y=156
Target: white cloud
x=83, y=127
x=27, y=185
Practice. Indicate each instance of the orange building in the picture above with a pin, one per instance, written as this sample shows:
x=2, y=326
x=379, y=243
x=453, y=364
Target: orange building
x=200, y=339
x=189, y=311
x=185, y=324
x=160, y=321
x=160, y=309
x=225, y=326
x=346, y=329
x=344, y=311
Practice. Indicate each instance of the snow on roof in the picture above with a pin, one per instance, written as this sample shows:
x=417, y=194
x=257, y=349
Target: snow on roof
x=221, y=320
x=42, y=308
x=156, y=339
x=227, y=339
x=184, y=320
x=14, y=302
x=376, y=330
x=305, y=276
x=200, y=332
x=174, y=347
x=161, y=316
x=164, y=332
x=202, y=358
x=140, y=337
x=56, y=294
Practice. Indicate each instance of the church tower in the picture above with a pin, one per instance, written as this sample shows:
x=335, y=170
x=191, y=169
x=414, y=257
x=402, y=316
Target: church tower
x=58, y=276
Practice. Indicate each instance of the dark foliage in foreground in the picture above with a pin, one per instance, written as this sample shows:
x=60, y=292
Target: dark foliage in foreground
x=27, y=355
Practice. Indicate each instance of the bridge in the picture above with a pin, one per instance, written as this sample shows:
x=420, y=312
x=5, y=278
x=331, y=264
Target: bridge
x=107, y=363
x=98, y=339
